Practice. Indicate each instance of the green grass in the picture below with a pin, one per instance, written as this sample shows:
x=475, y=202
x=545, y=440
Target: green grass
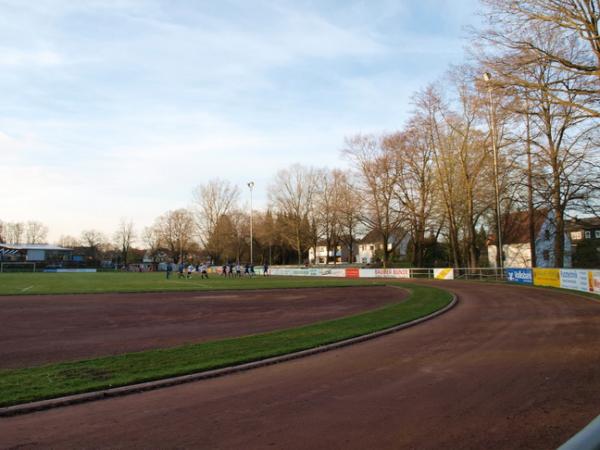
x=93, y=283
x=43, y=382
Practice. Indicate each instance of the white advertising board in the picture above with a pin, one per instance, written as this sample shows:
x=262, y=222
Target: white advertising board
x=333, y=273
x=392, y=273
x=578, y=280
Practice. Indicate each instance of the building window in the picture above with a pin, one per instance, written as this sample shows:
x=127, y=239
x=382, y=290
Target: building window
x=372, y=247
x=576, y=235
x=597, y=234
x=547, y=235
x=546, y=255
x=588, y=234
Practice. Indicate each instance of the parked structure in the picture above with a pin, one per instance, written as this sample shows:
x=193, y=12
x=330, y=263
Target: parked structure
x=516, y=244
x=34, y=253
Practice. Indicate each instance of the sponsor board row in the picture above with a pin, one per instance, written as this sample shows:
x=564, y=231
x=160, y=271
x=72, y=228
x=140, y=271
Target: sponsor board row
x=354, y=272
x=576, y=279
x=350, y=272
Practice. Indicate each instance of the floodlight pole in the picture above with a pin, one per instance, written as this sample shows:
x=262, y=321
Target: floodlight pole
x=487, y=77
x=251, y=186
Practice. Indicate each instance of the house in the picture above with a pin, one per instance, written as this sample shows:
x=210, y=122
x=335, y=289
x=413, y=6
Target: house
x=321, y=256
x=516, y=243
x=584, y=229
x=370, y=247
x=585, y=240
x=34, y=253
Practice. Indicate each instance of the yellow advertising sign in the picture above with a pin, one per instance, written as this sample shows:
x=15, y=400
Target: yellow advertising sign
x=443, y=274
x=546, y=277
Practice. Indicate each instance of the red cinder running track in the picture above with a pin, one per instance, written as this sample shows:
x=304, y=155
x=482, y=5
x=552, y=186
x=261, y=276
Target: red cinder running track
x=508, y=368
x=40, y=329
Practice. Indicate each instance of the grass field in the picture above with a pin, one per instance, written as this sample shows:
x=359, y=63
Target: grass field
x=37, y=383
x=91, y=283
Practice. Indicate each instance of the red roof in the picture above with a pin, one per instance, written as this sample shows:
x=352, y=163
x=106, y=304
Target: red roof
x=515, y=227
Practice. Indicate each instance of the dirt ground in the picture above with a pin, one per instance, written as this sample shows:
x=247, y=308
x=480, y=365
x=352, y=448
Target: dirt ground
x=42, y=329
x=508, y=368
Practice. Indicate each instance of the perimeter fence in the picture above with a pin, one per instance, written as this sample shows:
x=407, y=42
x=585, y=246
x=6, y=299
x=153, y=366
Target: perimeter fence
x=583, y=280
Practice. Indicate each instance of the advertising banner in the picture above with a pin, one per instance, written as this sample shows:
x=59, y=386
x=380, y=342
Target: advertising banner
x=594, y=277
x=352, y=272
x=546, y=277
x=285, y=271
x=392, y=273
x=443, y=274
x=333, y=272
x=366, y=273
x=71, y=270
x=522, y=276
x=578, y=280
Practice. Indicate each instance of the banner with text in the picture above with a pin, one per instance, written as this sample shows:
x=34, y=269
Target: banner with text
x=546, y=277
x=522, y=276
x=595, y=281
x=384, y=273
x=578, y=280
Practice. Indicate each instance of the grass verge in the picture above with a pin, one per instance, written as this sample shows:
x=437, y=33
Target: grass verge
x=55, y=380
x=103, y=282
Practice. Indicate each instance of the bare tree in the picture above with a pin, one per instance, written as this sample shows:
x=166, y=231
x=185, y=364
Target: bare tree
x=211, y=201
x=13, y=232
x=415, y=190
x=176, y=230
x=350, y=212
x=124, y=238
x=68, y=241
x=94, y=240
x=560, y=136
x=524, y=26
x=35, y=232
x=377, y=172
x=292, y=194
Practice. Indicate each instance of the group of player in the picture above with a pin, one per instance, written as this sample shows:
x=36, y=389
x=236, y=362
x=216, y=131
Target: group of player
x=235, y=270
x=184, y=271
x=228, y=270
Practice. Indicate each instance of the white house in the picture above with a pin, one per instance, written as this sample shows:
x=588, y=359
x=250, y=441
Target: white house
x=516, y=246
x=321, y=256
x=370, y=247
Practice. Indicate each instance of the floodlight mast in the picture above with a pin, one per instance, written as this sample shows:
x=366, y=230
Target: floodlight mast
x=487, y=77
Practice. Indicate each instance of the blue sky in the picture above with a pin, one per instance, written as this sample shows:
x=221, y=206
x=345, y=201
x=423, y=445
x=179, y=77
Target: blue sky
x=118, y=109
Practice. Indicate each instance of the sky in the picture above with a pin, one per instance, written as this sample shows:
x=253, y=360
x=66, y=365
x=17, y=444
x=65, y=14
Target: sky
x=117, y=109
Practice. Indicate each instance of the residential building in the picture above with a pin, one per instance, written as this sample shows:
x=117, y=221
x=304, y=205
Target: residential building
x=370, y=247
x=340, y=254
x=516, y=242
x=585, y=240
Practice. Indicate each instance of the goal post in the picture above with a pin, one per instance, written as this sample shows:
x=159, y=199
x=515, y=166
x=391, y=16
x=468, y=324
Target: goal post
x=17, y=267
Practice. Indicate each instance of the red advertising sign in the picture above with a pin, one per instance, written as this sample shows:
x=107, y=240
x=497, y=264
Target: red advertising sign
x=352, y=272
